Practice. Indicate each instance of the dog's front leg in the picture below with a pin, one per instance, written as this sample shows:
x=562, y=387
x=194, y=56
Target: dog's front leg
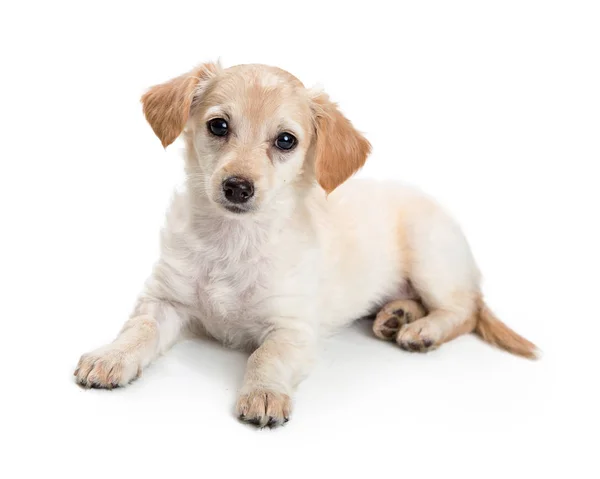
x=272, y=373
x=153, y=327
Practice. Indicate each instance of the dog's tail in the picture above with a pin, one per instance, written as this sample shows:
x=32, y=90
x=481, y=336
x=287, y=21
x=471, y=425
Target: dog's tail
x=495, y=332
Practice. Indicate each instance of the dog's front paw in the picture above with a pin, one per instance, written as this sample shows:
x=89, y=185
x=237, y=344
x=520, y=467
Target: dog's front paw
x=263, y=407
x=107, y=368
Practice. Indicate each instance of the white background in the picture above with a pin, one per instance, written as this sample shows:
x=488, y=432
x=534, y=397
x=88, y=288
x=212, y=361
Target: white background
x=493, y=107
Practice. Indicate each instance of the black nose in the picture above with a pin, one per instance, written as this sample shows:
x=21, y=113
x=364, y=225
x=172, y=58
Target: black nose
x=238, y=190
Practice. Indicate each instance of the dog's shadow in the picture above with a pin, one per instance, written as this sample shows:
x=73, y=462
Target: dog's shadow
x=201, y=359
x=204, y=361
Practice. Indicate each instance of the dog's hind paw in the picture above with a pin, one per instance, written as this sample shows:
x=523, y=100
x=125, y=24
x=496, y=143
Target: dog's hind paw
x=394, y=315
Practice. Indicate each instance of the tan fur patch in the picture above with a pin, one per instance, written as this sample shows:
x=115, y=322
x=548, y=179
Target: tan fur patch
x=495, y=332
x=340, y=150
x=404, y=248
x=465, y=327
x=167, y=106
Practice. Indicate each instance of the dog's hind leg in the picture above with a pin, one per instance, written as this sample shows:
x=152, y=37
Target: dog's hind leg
x=439, y=326
x=444, y=276
x=407, y=322
x=438, y=264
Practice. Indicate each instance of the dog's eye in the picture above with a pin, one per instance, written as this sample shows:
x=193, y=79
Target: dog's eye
x=285, y=141
x=218, y=126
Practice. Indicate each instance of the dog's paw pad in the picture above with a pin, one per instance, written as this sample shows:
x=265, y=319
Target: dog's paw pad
x=420, y=336
x=394, y=315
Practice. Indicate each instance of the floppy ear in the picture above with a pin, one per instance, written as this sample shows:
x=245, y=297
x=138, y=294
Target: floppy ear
x=167, y=106
x=340, y=150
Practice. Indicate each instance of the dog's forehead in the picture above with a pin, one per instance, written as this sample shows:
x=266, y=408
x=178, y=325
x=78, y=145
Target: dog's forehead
x=264, y=74
x=245, y=82
x=260, y=93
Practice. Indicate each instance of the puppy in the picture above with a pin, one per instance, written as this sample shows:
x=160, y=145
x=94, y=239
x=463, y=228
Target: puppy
x=270, y=249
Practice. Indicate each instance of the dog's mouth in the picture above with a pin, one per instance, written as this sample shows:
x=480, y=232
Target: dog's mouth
x=236, y=209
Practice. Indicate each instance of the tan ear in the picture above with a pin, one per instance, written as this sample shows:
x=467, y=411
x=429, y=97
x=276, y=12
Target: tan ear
x=167, y=106
x=340, y=150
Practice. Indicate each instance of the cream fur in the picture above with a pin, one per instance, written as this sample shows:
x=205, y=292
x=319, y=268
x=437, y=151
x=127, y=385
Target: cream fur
x=302, y=263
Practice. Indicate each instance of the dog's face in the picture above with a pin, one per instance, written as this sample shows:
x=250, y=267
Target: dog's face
x=252, y=131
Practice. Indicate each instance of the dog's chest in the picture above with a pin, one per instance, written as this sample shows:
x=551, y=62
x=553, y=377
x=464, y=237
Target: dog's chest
x=237, y=280
x=230, y=295
x=226, y=290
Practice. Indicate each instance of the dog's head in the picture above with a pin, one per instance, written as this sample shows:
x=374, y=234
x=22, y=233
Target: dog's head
x=252, y=131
